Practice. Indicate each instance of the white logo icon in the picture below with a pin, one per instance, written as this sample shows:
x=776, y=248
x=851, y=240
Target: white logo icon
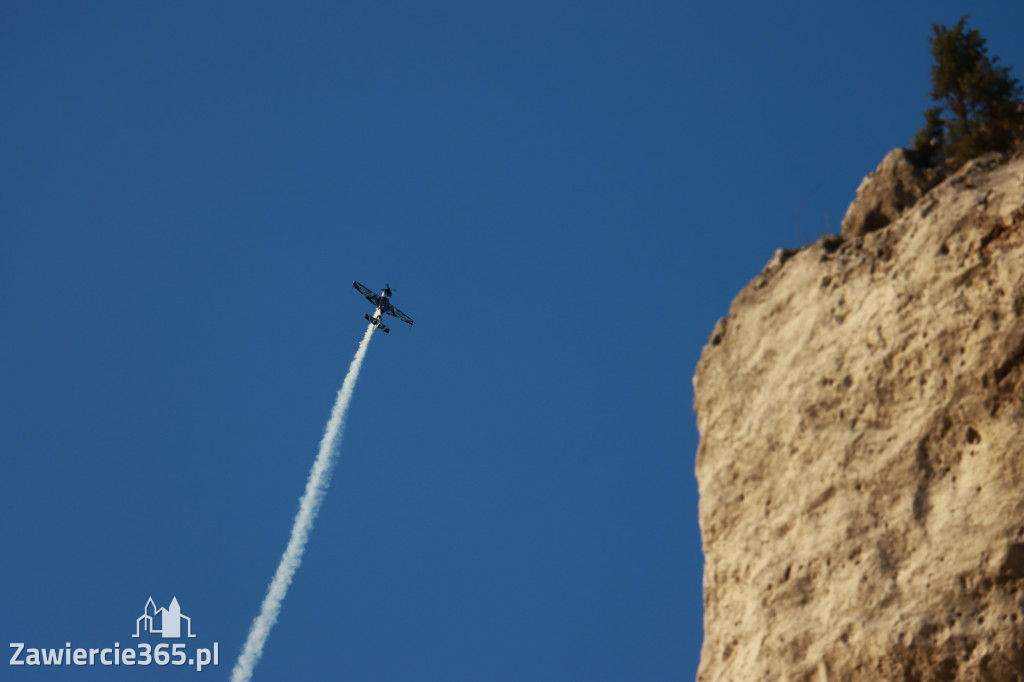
x=170, y=620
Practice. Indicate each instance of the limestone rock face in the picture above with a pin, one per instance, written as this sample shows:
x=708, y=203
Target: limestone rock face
x=861, y=463
x=886, y=192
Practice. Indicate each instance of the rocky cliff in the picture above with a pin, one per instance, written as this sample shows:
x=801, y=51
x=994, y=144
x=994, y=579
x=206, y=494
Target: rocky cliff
x=861, y=463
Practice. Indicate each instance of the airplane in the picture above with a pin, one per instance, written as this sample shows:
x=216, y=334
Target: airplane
x=383, y=303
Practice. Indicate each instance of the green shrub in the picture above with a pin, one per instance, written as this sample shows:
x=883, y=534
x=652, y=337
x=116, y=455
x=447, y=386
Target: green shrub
x=978, y=104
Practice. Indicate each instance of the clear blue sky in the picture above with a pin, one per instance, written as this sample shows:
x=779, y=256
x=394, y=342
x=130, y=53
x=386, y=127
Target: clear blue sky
x=565, y=196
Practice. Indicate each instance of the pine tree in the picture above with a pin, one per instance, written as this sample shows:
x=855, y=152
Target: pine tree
x=979, y=106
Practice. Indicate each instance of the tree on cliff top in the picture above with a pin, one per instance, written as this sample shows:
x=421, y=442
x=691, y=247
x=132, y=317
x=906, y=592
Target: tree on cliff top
x=979, y=106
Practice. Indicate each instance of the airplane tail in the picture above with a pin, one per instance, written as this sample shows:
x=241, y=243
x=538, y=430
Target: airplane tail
x=375, y=321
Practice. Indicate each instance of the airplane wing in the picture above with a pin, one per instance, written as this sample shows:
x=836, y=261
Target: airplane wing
x=368, y=293
x=395, y=312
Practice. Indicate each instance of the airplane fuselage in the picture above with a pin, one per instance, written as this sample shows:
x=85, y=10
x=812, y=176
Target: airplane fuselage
x=383, y=306
x=385, y=303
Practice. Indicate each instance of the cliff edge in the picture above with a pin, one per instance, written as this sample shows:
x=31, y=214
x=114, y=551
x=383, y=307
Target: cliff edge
x=861, y=461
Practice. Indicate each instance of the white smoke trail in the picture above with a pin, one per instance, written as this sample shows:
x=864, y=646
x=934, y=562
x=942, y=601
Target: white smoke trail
x=309, y=505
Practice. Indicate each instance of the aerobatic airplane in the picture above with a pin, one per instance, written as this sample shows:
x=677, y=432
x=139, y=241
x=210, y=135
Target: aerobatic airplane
x=383, y=303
